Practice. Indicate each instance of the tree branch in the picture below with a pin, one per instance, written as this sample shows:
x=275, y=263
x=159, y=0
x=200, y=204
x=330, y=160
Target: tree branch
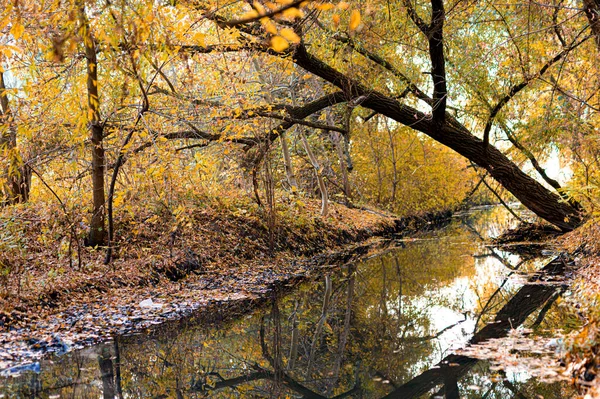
x=385, y=64
x=412, y=13
x=269, y=14
x=315, y=125
x=518, y=87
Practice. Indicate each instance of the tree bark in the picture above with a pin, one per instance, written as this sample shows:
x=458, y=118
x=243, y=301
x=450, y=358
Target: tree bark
x=97, y=234
x=18, y=175
x=592, y=12
x=317, y=167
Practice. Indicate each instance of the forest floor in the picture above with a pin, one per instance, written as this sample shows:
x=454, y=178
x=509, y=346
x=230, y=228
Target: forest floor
x=166, y=269
x=583, y=345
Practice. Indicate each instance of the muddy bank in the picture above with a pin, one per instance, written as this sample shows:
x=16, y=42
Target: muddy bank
x=211, y=268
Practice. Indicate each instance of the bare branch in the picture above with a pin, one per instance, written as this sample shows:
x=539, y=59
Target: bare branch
x=385, y=64
x=557, y=28
x=518, y=87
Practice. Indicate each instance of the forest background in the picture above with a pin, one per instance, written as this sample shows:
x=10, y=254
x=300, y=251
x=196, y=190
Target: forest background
x=133, y=128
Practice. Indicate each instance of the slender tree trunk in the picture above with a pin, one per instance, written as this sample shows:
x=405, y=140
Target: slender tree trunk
x=338, y=142
x=295, y=339
x=394, y=163
x=315, y=164
x=18, y=175
x=287, y=159
x=346, y=330
x=287, y=162
x=343, y=152
x=118, y=385
x=321, y=323
x=399, y=273
x=377, y=161
x=97, y=234
x=107, y=374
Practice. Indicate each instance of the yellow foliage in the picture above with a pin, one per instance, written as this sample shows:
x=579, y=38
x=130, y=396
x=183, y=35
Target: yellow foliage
x=354, y=20
x=279, y=44
x=289, y=35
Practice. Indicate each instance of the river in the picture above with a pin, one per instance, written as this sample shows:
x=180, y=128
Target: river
x=386, y=327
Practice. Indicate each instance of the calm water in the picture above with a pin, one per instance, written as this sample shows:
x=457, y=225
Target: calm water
x=385, y=327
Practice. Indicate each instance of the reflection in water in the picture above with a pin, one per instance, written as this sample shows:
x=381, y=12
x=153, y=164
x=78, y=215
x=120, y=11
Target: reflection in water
x=382, y=328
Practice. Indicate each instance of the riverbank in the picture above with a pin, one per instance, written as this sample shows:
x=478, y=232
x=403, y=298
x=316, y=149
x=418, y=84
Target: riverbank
x=171, y=268
x=583, y=346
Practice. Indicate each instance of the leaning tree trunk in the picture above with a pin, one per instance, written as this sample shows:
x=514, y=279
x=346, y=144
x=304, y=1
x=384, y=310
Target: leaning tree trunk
x=453, y=134
x=532, y=194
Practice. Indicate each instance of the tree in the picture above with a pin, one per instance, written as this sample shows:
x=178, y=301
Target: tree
x=438, y=124
x=97, y=234
x=493, y=82
x=17, y=174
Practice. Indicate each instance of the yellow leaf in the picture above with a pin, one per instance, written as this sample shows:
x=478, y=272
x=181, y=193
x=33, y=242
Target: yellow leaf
x=250, y=14
x=199, y=39
x=17, y=30
x=293, y=13
x=259, y=7
x=324, y=7
x=354, y=20
x=269, y=26
x=290, y=35
x=342, y=5
x=279, y=44
x=336, y=19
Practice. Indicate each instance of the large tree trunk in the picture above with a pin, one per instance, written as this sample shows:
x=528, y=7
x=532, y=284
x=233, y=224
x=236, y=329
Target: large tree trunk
x=451, y=133
x=97, y=234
